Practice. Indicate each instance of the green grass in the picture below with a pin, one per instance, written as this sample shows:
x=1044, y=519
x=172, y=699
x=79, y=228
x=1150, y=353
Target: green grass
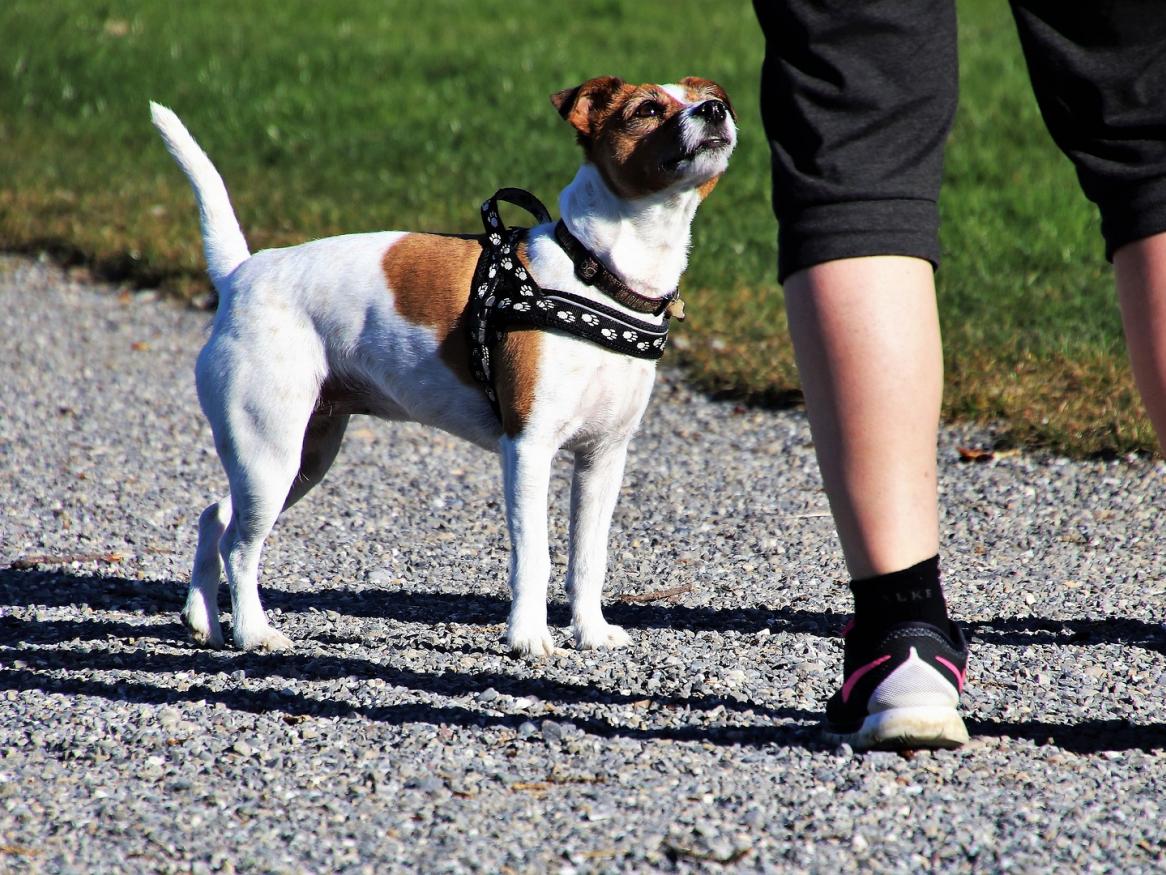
x=327, y=117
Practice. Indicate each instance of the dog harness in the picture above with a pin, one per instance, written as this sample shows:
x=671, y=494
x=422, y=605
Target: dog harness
x=505, y=296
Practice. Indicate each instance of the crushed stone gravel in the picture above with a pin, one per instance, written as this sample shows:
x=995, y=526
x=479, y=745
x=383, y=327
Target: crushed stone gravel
x=399, y=735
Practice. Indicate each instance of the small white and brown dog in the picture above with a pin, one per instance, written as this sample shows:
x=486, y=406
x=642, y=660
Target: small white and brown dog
x=373, y=323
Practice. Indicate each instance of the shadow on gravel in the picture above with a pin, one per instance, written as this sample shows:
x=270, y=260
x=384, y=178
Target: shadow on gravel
x=1021, y=631
x=36, y=661
x=1086, y=736
x=295, y=707
x=109, y=592
x=32, y=663
x=34, y=652
x=22, y=587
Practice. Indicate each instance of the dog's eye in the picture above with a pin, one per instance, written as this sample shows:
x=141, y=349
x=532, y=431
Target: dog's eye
x=649, y=109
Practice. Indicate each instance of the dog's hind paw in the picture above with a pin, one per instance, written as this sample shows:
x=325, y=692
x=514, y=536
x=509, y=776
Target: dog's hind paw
x=205, y=631
x=266, y=638
x=600, y=636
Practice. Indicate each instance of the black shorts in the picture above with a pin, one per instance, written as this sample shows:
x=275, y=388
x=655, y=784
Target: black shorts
x=858, y=96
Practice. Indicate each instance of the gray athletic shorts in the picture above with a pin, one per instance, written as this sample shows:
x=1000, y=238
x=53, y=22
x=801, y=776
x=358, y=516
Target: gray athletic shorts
x=858, y=96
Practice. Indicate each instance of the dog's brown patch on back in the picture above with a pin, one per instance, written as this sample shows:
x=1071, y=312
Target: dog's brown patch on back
x=430, y=277
x=516, y=366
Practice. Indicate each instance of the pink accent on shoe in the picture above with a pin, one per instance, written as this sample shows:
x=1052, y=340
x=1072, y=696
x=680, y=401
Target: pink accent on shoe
x=848, y=628
x=960, y=676
x=856, y=675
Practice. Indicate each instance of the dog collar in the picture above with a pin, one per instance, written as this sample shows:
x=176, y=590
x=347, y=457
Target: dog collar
x=504, y=296
x=594, y=272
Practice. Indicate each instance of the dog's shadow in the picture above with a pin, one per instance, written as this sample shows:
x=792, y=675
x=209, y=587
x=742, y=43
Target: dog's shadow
x=30, y=653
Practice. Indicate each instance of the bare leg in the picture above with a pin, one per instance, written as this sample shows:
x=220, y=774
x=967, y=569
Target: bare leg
x=866, y=337
x=1140, y=270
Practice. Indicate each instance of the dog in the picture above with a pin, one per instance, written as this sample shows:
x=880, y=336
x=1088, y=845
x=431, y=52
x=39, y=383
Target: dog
x=306, y=336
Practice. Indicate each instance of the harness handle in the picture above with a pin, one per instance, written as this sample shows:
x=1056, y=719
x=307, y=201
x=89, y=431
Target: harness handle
x=491, y=217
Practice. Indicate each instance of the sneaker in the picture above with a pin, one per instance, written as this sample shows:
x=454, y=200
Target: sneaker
x=900, y=688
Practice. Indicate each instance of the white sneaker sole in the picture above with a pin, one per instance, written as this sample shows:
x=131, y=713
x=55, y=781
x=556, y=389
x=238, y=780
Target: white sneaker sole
x=898, y=728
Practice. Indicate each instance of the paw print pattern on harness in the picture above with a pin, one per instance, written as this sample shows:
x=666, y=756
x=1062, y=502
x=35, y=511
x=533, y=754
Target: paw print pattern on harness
x=506, y=297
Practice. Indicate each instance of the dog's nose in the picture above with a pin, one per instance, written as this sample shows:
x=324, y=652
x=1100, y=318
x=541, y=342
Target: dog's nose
x=712, y=111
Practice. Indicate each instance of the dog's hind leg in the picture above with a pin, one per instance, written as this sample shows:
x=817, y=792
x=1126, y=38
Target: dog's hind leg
x=259, y=397
x=201, y=612
x=322, y=439
x=261, y=478
x=594, y=489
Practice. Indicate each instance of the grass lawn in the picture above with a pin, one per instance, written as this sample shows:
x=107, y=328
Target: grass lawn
x=326, y=117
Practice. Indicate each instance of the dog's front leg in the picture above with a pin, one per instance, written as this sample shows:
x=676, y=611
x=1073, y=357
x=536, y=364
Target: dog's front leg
x=594, y=489
x=526, y=472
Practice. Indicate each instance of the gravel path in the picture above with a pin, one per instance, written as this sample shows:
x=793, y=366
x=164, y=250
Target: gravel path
x=399, y=736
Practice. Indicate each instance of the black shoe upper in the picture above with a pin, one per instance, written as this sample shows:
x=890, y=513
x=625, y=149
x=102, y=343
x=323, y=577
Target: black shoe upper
x=862, y=650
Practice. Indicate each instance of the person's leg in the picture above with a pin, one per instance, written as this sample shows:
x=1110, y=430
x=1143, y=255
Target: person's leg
x=1099, y=74
x=1140, y=269
x=857, y=100
x=866, y=336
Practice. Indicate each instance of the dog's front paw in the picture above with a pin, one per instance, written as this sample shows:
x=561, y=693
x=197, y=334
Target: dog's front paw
x=530, y=642
x=600, y=636
x=266, y=638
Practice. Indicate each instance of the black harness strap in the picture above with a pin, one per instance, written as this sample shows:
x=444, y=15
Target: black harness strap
x=504, y=297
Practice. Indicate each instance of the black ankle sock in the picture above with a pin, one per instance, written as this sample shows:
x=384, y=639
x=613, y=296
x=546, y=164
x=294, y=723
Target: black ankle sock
x=901, y=596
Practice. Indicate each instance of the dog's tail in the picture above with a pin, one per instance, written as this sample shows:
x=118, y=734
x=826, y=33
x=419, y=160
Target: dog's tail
x=222, y=239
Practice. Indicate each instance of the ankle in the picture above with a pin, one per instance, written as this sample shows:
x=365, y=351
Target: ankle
x=911, y=595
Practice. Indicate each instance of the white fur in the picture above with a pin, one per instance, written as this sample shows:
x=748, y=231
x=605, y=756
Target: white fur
x=223, y=240
x=289, y=318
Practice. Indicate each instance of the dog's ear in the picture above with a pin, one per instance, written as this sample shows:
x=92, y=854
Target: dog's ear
x=708, y=89
x=579, y=105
